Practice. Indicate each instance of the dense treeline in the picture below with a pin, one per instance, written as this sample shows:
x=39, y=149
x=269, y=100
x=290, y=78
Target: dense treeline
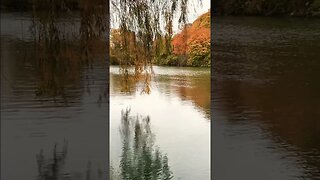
x=268, y=7
x=41, y=4
x=190, y=47
x=221, y=7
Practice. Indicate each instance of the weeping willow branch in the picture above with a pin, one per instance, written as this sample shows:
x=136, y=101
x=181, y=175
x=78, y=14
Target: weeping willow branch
x=143, y=25
x=61, y=47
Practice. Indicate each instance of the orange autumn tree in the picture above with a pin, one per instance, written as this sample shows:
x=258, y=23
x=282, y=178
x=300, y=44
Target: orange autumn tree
x=193, y=42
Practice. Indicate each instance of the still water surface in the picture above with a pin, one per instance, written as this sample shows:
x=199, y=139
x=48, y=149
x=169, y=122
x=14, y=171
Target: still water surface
x=178, y=112
x=265, y=109
x=265, y=98
x=54, y=116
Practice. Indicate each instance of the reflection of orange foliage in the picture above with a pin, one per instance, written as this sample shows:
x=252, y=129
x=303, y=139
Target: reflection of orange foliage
x=199, y=31
x=200, y=99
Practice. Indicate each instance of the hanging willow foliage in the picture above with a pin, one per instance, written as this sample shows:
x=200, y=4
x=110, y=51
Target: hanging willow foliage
x=142, y=27
x=63, y=45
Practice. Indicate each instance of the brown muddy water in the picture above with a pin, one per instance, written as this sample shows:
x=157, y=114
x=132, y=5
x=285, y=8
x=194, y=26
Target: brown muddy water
x=265, y=98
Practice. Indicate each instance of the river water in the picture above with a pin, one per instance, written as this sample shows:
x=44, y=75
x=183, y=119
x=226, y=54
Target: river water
x=178, y=110
x=54, y=116
x=264, y=117
x=265, y=98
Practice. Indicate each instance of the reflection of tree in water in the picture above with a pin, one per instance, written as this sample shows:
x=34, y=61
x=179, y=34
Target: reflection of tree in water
x=50, y=169
x=54, y=168
x=130, y=82
x=139, y=158
x=61, y=52
x=144, y=33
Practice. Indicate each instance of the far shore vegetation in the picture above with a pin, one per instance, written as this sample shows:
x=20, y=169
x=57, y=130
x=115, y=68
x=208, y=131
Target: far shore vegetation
x=293, y=8
x=145, y=34
x=190, y=47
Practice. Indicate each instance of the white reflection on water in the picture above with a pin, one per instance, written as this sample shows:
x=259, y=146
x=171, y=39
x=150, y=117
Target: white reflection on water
x=182, y=130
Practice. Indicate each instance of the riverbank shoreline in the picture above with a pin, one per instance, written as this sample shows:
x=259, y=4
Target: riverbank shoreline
x=292, y=8
x=316, y=15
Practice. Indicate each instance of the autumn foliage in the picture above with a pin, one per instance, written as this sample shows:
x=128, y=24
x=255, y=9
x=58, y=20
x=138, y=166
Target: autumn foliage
x=194, y=42
x=190, y=47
